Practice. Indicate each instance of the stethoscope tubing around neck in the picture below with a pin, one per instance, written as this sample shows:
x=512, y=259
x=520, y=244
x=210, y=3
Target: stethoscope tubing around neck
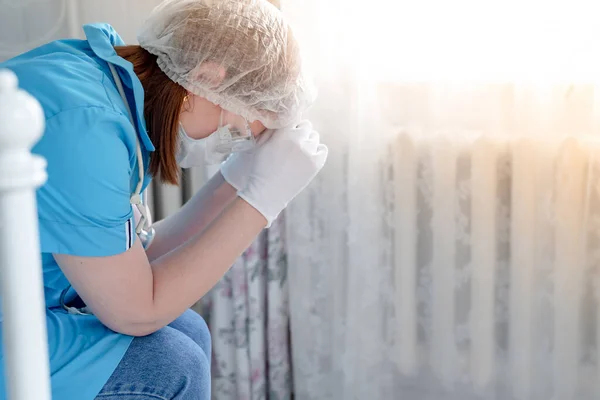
x=143, y=229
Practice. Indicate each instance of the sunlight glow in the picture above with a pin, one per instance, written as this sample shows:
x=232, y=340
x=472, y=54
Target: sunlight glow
x=477, y=40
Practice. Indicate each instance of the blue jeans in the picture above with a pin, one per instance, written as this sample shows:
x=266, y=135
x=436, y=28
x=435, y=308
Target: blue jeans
x=173, y=363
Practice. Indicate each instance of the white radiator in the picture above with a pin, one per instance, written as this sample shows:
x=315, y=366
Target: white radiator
x=470, y=270
x=513, y=224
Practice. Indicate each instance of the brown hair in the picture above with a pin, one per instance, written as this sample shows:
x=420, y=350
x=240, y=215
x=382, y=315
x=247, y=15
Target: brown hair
x=163, y=100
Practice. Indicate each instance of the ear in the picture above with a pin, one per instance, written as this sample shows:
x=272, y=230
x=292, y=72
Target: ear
x=256, y=127
x=209, y=72
x=188, y=101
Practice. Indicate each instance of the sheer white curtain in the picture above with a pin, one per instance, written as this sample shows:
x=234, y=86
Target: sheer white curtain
x=449, y=249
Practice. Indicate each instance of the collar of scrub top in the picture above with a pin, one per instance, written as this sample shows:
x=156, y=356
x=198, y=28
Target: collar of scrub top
x=102, y=38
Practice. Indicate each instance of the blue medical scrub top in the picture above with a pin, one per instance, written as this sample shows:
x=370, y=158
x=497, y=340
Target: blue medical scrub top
x=90, y=147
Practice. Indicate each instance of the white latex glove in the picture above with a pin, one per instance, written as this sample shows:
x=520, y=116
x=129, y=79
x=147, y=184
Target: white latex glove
x=238, y=165
x=283, y=163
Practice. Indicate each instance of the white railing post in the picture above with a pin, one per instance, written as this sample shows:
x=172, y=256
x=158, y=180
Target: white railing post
x=24, y=325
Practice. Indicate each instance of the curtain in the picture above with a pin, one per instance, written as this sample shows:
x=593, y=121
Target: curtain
x=449, y=248
x=247, y=314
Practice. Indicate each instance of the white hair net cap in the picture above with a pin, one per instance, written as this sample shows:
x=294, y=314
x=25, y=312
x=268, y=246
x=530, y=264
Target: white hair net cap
x=239, y=54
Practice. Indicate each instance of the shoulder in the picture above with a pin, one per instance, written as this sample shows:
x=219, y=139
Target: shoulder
x=63, y=75
x=86, y=133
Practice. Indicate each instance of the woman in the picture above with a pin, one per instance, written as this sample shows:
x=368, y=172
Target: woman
x=208, y=79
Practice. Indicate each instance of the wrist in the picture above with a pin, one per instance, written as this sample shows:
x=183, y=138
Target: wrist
x=235, y=170
x=226, y=186
x=253, y=212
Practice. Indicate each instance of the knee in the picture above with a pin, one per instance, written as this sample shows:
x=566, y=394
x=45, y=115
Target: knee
x=201, y=334
x=180, y=364
x=194, y=367
x=194, y=326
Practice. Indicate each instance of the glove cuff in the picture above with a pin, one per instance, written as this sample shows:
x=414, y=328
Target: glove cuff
x=268, y=214
x=232, y=177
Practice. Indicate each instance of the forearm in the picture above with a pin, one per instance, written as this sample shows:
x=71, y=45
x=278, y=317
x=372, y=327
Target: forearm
x=136, y=293
x=183, y=276
x=192, y=218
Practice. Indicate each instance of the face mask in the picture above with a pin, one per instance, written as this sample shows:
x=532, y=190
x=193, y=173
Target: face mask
x=190, y=152
x=233, y=135
x=225, y=141
x=228, y=138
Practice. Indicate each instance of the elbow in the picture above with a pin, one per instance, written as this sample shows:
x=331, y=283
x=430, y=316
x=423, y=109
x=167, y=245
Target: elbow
x=136, y=330
x=126, y=324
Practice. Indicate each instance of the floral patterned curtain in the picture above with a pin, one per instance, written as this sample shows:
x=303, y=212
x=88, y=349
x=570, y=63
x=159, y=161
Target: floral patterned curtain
x=247, y=313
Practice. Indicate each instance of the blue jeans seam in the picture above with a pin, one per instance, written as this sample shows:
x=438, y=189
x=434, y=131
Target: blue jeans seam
x=150, y=395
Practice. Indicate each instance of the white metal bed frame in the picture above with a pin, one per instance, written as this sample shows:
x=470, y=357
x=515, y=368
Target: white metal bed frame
x=21, y=284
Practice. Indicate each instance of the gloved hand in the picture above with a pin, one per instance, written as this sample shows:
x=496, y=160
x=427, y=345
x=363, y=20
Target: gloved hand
x=281, y=165
x=237, y=167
